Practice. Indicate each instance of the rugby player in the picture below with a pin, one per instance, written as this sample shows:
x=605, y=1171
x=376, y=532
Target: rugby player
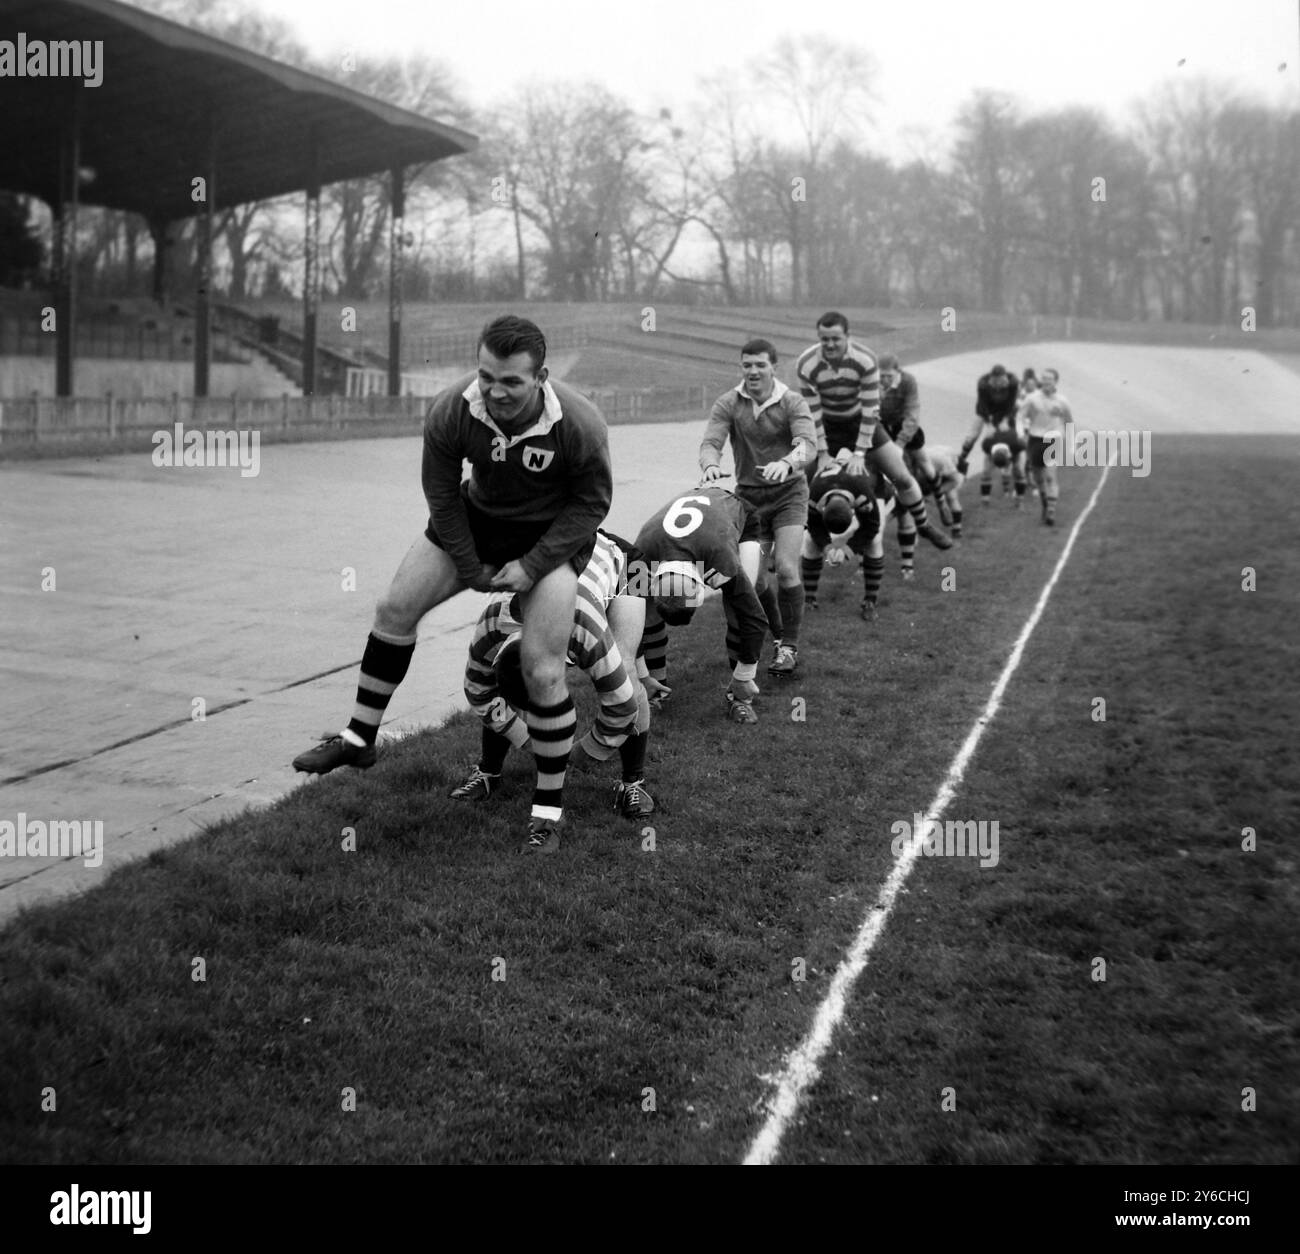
x=496, y=689
x=773, y=438
x=948, y=481
x=843, y=512
x=525, y=522
x=900, y=415
x=840, y=380
x=995, y=407
x=1047, y=412
x=707, y=537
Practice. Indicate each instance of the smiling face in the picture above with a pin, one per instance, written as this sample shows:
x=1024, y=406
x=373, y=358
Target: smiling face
x=834, y=340
x=759, y=375
x=510, y=386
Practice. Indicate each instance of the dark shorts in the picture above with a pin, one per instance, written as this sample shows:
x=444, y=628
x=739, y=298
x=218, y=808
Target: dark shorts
x=777, y=505
x=501, y=540
x=751, y=528
x=1037, y=447
x=917, y=441
x=1009, y=438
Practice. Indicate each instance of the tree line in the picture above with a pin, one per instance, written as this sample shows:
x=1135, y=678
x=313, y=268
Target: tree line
x=1187, y=212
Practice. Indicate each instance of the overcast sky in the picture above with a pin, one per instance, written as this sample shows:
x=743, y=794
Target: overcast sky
x=932, y=53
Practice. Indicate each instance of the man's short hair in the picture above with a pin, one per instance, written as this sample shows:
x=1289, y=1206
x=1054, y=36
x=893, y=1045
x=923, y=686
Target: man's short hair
x=998, y=370
x=834, y=319
x=752, y=347
x=1056, y=374
x=888, y=362
x=507, y=335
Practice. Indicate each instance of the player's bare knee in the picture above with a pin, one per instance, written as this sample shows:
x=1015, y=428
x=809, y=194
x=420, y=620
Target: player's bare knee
x=395, y=616
x=543, y=674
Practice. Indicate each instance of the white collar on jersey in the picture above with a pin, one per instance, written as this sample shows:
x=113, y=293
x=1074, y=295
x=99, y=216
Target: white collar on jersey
x=551, y=412
x=779, y=389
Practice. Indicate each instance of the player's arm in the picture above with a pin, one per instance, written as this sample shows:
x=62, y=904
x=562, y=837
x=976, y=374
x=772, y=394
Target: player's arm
x=869, y=399
x=716, y=433
x=812, y=398
x=653, y=649
x=490, y=633
x=596, y=652
x=440, y=472
x=591, y=489
x=911, y=412
x=969, y=443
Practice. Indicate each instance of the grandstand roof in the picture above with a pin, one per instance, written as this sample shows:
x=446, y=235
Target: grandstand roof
x=144, y=128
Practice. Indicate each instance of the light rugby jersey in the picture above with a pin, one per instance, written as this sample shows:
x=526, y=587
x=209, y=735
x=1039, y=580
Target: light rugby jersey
x=1045, y=415
x=591, y=647
x=840, y=394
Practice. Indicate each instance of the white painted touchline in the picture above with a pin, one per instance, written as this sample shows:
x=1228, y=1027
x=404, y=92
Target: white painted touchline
x=803, y=1065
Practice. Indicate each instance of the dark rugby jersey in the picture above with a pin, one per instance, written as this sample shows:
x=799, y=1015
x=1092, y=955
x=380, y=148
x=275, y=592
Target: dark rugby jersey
x=557, y=471
x=900, y=408
x=996, y=405
x=703, y=527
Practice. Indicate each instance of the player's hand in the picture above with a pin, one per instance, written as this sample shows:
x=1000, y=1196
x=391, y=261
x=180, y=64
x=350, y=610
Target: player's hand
x=711, y=473
x=827, y=465
x=963, y=464
x=775, y=472
x=836, y=556
x=482, y=582
x=657, y=693
x=858, y=464
x=512, y=577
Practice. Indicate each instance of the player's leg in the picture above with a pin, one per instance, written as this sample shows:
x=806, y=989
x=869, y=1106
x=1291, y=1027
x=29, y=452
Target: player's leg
x=547, y=628
x=986, y=471
x=812, y=558
x=887, y=458
x=426, y=577
x=1018, y=454
x=952, y=492
x=906, y=542
x=873, y=557
x=1050, y=492
x=626, y=616
x=788, y=519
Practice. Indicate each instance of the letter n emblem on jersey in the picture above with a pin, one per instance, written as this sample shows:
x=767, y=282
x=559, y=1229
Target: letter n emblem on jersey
x=537, y=458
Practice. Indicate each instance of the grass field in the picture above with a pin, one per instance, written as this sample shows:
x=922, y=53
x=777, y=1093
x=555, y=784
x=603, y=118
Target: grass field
x=649, y=991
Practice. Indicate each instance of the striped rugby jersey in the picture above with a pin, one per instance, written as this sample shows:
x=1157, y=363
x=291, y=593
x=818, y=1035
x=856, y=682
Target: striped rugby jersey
x=591, y=647
x=842, y=394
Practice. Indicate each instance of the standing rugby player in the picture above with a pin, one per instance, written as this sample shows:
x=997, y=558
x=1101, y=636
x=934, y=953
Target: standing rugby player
x=900, y=415
x=1047, y=412
x=772, y=438
x=524, y=522
x=840, y=380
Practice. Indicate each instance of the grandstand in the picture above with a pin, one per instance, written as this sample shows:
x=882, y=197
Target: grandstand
x=174, y=101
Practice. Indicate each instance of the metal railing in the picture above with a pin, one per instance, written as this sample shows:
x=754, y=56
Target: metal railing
x=65, y=420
